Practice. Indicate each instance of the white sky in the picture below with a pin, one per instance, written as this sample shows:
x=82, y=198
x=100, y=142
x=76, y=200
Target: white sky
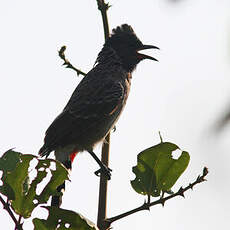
x=182, y=96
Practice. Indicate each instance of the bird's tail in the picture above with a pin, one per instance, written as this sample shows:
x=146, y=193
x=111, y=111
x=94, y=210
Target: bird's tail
x=66, y=160
x=44, y=151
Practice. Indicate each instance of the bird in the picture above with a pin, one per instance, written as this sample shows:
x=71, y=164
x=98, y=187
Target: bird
x=96, y=103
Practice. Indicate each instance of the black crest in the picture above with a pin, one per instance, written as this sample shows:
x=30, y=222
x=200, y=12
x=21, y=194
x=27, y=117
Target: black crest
x=123, y=35
x=122, y=46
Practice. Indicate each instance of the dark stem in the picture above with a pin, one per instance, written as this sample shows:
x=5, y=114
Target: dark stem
x=149, y=199
x=161, y=201
x=103, y=7
x=6, y=206
x=19, y=220
x=102, y=203
x=66, y=63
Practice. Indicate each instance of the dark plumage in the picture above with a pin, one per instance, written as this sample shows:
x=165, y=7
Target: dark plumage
x=98, y=100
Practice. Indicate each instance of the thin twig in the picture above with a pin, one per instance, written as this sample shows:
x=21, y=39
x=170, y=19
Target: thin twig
x=66, y=63
x=146, y=206
x=19, y=219
x=6, y=206
x=103, y=7
x=102, y=201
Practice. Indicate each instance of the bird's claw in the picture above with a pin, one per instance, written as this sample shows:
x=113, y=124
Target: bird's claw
x=106, y=171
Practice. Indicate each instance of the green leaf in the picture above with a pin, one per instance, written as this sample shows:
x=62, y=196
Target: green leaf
x=157, y=171
x=8, y=163
x=9, y=160
x=16, y=179
x=63, y=219
x=58, y=177
x=20, y=189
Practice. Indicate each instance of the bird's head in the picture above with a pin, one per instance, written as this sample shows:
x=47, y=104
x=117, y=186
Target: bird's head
x=127, y=46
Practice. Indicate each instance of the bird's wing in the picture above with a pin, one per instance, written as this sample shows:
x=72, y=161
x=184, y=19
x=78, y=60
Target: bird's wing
x=99, y=101
x=88, y=106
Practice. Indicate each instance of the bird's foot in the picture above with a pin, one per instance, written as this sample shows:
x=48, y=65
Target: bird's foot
x=106, y=171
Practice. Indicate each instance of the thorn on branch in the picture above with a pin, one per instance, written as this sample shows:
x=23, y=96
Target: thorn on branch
x=67, y=63
x=162, y=200
x=181, y=192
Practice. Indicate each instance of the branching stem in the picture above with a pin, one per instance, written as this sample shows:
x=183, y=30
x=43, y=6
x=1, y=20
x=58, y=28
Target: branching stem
x=6, y=206
x=67, y=63
x=146, y=206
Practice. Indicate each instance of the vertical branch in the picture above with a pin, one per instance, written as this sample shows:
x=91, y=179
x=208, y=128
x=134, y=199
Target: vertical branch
x=6, y=206
x=103, y=7
x=102, y=203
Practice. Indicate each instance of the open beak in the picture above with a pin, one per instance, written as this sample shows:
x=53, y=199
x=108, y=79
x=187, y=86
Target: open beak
x=144, y=56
